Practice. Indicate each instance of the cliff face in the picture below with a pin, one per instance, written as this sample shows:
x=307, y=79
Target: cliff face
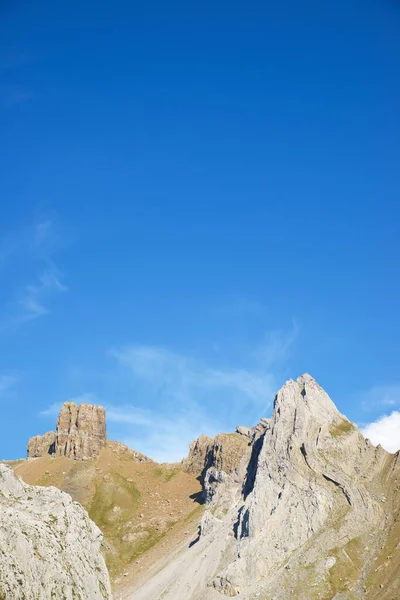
x=49, y=548
x=80, y=433
x=305, y=509
x=312, y=478
x=40, y=445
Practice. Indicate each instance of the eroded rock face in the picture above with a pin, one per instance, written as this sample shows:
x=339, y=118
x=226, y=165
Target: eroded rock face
x=309, y=480
x=49, y=548
x=198, y=459
x=301, y=510
x=40, y=445
x=80, y=433
x=81, y=430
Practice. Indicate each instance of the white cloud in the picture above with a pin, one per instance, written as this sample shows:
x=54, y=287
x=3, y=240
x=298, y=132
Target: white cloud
x=385, y=431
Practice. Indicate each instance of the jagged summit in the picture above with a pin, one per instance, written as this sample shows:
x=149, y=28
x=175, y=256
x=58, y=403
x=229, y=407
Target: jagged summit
x=296, y=509
x=302, y=407
x=306, y=391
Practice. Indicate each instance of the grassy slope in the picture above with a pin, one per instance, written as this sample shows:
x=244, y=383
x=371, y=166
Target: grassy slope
x=134, y=504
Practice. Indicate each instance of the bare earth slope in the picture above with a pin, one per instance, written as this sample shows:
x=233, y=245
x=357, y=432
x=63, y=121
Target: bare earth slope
x=308, y=509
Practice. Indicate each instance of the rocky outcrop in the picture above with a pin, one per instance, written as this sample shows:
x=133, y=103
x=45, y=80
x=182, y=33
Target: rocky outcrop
x=198, y=459
x=309, y=480
x=123, y=451
x=303, y=513
x=80, y=433
x=222, y=460
x=49, y=548
x=40, y=445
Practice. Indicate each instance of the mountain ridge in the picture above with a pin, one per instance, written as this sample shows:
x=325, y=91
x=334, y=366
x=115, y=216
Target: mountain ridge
x=302, y=515
x=299, y=507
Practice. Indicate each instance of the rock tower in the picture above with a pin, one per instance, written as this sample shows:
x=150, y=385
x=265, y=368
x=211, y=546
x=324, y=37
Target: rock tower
x=80, y=433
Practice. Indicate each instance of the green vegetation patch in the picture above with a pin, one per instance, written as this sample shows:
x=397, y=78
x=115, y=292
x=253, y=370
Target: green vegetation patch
x=166, y=473
x=115, y=502
x=347, y=569
x=343, y=427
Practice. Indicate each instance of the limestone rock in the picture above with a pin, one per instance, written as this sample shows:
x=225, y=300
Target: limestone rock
x=300, y=509
x=49, y=548
x=227, y=451
x=80, y=433
x=309, y=478
x=40, y=445
x=199, y=455
x=81, y=430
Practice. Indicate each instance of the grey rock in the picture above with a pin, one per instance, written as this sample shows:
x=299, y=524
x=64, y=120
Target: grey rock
x=49, y=548
x=304, y=494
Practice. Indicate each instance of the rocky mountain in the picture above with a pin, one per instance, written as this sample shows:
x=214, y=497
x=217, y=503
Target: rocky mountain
x=49, y=548
x=80, y=433
x=301, y=507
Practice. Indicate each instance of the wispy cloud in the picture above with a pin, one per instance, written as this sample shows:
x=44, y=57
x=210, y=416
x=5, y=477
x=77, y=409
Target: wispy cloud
x=276, y=346
x=178, y=376
x=185, y=397
x=385, y=431
x=33, y=246
x=33, y=300
x=163, y=439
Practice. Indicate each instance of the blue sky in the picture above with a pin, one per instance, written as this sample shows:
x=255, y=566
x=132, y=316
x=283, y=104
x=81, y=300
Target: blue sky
x=198, y=201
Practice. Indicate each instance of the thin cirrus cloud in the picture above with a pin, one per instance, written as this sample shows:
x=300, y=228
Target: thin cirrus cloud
x=33, y=247
x=180, y=377
x=185, y=397
x=33, y=301
x=165, y=439
x=385, y=431
x=158, y=400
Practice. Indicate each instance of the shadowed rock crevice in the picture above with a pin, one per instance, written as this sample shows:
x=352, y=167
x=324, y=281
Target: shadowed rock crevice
x=252, y=467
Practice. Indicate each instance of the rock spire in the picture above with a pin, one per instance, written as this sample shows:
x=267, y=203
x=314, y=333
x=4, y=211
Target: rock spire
x=80, y=433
